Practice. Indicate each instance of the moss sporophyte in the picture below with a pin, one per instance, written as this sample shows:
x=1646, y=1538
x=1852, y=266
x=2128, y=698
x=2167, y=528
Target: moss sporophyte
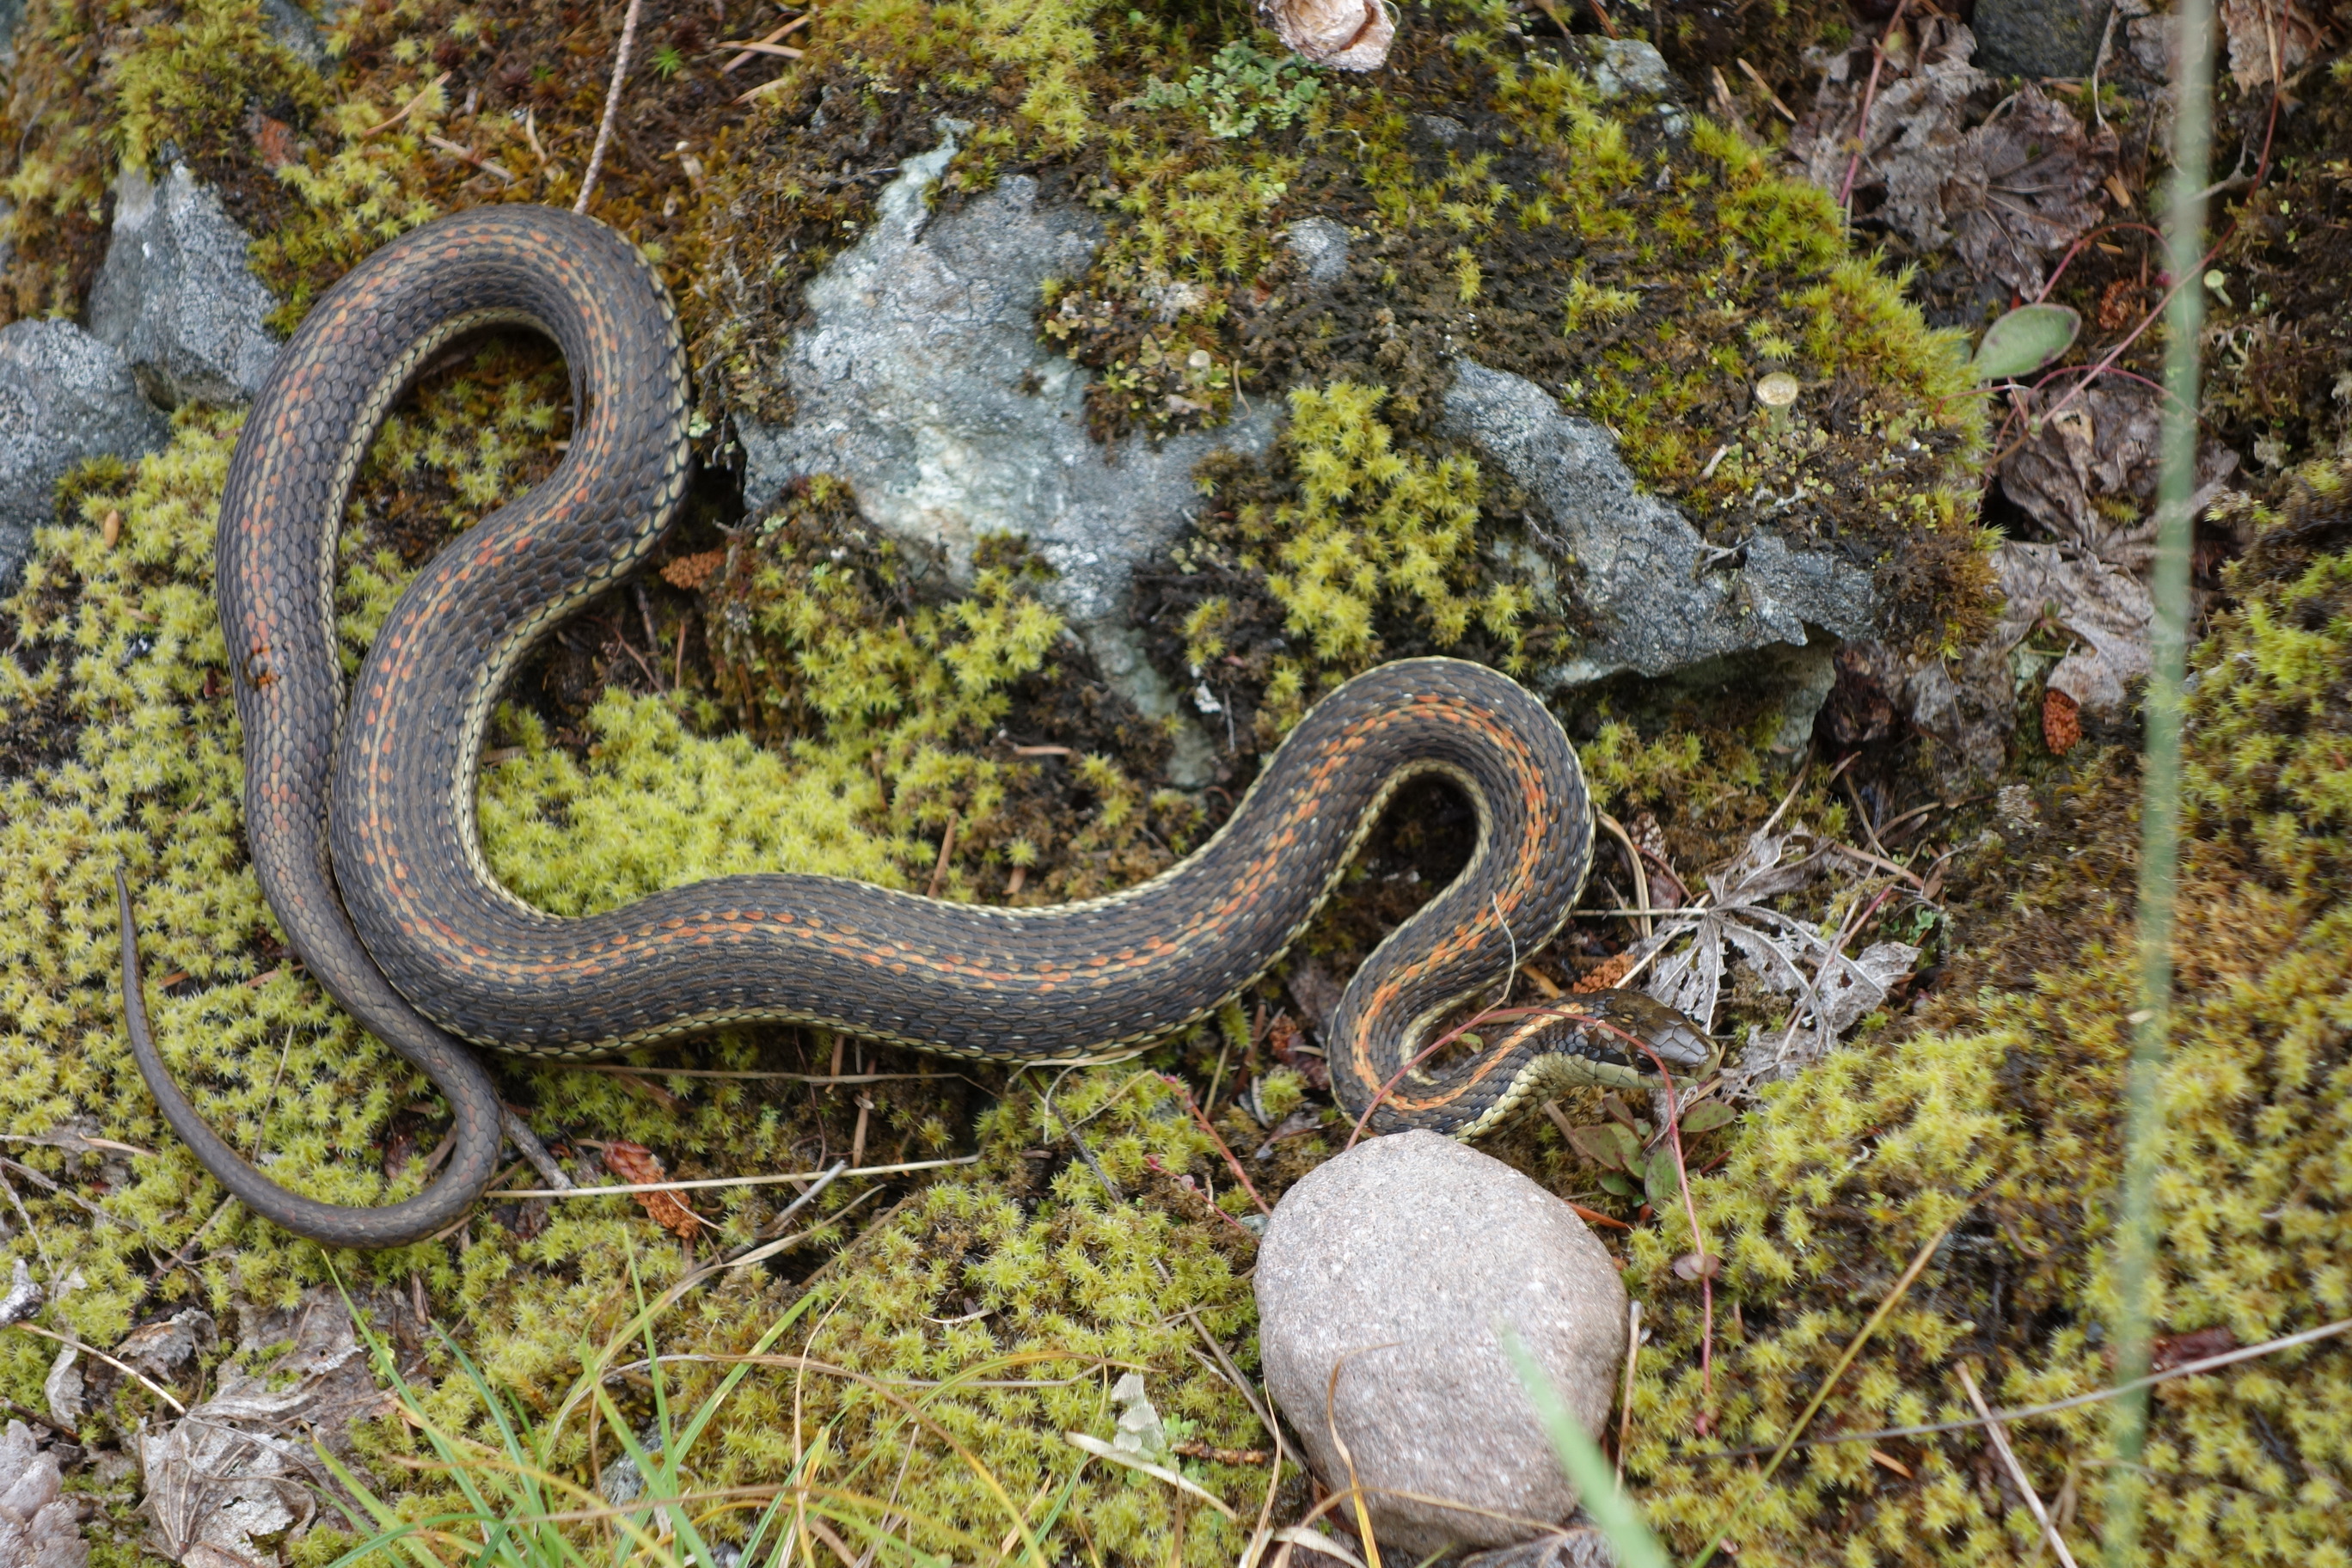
x=817, y=702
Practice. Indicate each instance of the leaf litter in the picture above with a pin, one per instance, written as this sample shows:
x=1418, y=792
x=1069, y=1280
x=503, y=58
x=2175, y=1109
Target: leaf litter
x=1832, y=993
x=242, y=1466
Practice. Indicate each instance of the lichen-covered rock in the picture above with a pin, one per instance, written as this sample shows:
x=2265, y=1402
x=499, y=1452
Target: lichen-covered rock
x=1397, y=1265
x=922, y=383
x=63, y=396
x=1667, y=599
x=176, y=296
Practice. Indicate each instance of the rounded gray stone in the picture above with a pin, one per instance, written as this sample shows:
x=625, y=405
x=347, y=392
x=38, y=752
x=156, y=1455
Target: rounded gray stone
x=1397, y=1263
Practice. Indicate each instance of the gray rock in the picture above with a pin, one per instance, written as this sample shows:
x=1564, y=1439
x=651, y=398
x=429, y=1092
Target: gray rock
x=63, y=396
x=1320, y=247
x=921, y=383
x=2038, y=37
x=293, y=26
x=1627, y=67
x=175, y=294
x=1582, y=1546
x=12, y=16
x=1403, y=1256
x=1667, y=599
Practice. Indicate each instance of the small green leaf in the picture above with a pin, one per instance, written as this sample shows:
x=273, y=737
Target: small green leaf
x=1658, y=1177
x=1708, y=1115
x=2024, y=340
x=1607, y=1145
x=1613, y=1183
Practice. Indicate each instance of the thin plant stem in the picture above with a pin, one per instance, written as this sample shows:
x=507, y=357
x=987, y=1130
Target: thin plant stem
x=604, y=131
x=2159, y=856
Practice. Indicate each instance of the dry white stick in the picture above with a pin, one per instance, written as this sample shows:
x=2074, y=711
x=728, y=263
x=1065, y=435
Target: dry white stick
x=611, y=107
x=157, y=1389
x=2016, y=1471
x=729, y=1180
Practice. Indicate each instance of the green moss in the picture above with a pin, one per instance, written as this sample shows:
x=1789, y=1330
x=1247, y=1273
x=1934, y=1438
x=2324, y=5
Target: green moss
x=2002, y=1118
x=193, y=80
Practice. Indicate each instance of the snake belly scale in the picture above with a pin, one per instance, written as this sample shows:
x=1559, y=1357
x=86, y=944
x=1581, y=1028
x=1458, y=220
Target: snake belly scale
x=362, y=817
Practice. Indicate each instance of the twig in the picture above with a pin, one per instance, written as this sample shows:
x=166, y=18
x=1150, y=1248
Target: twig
x=1698, y=1238
x=1821, y=1395
x=1880, y=861
x=153, y=1388
x=527, y=1145
x=1766, y=88
x=488, y=165
x=795, y=1177
x=775, y=1226
x=188, y=1246
x=1625, y=1402
x=407, y=108
x=270, y=1101
x=1239, y=1174
x=1054, y=1110
x=947, y=847
x=764, y=45
x=1999, y=1440
x=1862, y=124
x=1641, y=878
x=2026, y=1413
x=612, y=110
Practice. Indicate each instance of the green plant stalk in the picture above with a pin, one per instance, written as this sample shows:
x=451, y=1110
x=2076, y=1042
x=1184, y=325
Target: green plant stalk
x=2159, y=856
x=1580, y=1457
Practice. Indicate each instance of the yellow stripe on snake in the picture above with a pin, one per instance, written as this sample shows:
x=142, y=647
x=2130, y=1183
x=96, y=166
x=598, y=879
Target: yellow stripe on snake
x=363, y=831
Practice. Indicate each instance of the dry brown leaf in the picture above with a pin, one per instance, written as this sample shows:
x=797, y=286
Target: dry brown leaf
x=1917, y=117
x=40, y=1525
x=2178, y=1350
x=2106, y=608
x=691, y=571
x=1288, y=1043
x=241, y=1466
x=1346, y=35
x=634, y=1163
x=2269, y=41
x=2020, y=188
x=2104, y=447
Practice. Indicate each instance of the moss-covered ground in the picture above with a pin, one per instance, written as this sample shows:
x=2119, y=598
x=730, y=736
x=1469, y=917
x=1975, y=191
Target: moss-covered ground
x=793, y=690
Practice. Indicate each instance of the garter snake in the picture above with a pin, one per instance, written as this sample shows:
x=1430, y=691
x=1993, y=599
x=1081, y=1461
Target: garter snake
x=361, y=816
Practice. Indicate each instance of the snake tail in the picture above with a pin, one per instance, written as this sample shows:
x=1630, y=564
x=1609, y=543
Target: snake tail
x=473, y=1154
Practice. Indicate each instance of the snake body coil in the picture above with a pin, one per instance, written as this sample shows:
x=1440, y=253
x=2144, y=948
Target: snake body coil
x=414, y=935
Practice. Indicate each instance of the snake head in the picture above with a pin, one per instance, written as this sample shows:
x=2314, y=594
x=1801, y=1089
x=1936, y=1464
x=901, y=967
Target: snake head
x=1682, y=1044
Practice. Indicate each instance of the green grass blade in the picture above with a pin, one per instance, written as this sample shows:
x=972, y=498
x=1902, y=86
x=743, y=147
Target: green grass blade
x=2160, y=803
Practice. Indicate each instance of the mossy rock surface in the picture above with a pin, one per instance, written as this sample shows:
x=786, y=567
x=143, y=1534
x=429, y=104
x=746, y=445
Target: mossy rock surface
x=797, y=691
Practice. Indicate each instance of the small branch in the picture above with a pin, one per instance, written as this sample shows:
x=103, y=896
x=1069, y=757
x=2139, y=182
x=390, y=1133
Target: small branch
x=795, y=1177
x=766, y=45
x=157, y=1390
x=406, y=110
x=947, y=847
x=1999, y=1440
x=1239, y=1174
x=1862, y=124
x=611, y=107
